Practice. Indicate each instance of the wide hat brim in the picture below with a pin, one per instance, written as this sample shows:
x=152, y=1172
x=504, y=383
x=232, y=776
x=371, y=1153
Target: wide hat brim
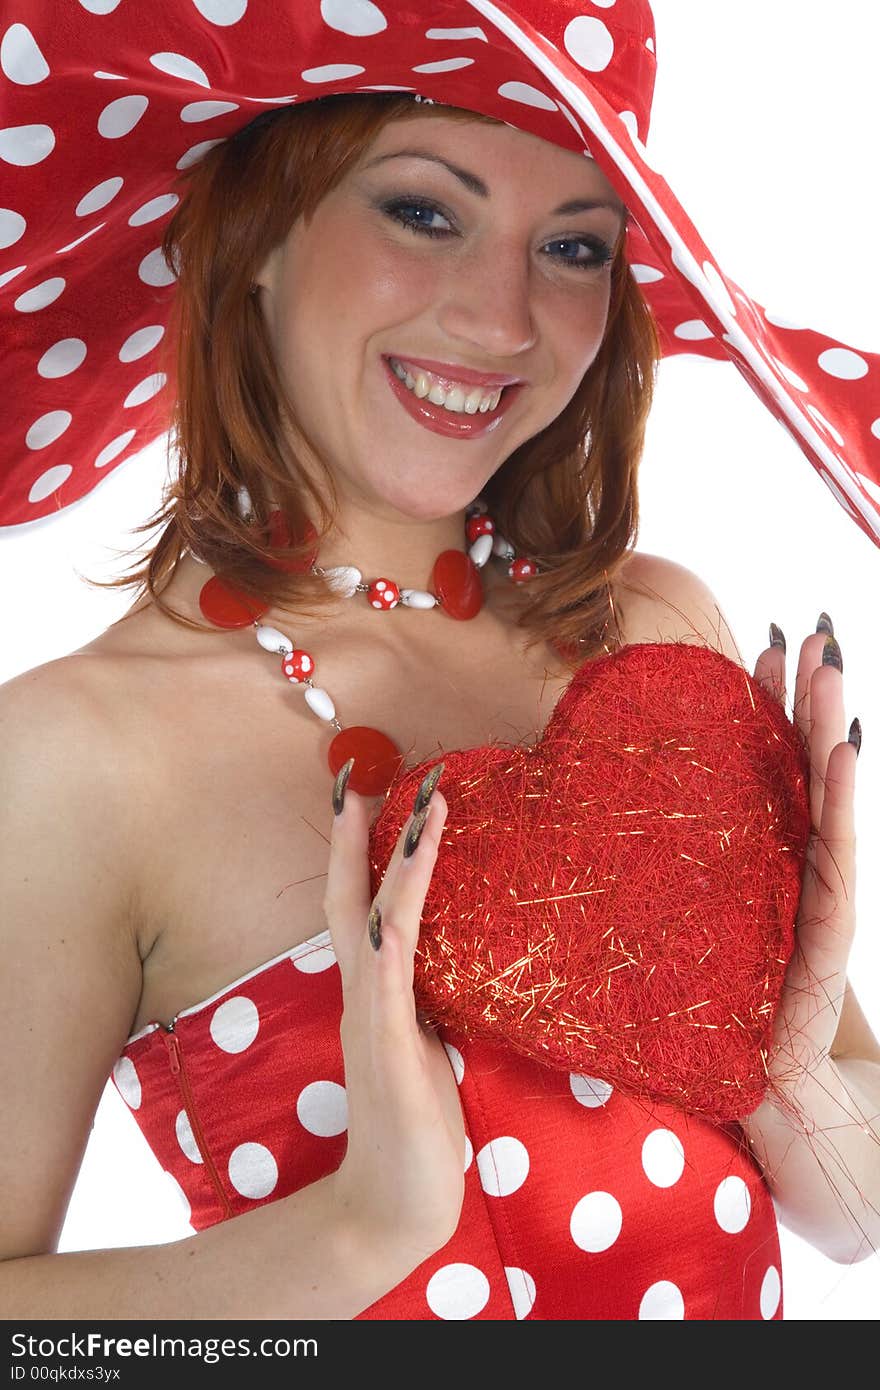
x=101, y=112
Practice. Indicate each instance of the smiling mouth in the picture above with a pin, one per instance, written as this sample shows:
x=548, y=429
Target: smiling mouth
x=459, y=398
x=448, y=410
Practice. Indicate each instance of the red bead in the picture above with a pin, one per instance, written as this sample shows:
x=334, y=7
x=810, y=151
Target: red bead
x=522, y=569
x=383, y=593
x=457, y=584
x=376, y=759
x=478, y=526
x=279, y=535
x=227, y=607
x=298, y=666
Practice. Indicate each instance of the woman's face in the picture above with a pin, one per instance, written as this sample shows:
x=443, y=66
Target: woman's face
x=448, y=254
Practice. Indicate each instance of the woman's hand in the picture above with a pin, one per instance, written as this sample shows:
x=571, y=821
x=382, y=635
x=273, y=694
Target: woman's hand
x=402, y=1178
x=815, y=983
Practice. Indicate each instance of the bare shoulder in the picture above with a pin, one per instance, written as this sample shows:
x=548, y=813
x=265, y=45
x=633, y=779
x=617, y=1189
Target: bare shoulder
x=661, y=600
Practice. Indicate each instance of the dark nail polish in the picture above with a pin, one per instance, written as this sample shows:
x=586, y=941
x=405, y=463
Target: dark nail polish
x=831, y=654
x=374, y=926
x=825, y=624
x=855, y=735
x=777, y=636
x=339, y=786
x=427, y=789
x=414, y=834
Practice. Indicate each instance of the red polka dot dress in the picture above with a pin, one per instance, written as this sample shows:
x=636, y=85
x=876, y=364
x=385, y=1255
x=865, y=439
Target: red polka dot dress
x=580, y=1202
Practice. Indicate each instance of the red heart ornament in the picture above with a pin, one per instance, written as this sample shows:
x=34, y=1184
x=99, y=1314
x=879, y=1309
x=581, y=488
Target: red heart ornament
x=619, y=898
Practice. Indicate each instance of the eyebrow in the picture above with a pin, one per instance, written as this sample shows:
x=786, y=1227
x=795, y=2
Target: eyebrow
x=476, y=185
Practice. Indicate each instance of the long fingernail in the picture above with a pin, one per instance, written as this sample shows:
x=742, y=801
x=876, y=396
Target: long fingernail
x=427, y=789
x=414, y=834
x=777, y=636
x=374, y=926
x=825, y=624
x=855, y=735
x=339, y=786
x=831, y=654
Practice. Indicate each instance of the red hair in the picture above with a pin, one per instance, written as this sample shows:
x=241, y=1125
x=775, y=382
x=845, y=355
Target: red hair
x=568, y=496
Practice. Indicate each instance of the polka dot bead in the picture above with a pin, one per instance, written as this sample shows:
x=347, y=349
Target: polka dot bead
x=521, y=570
x=298, y=666
x=457, y=1292
x=383, y=594
x=480, y=525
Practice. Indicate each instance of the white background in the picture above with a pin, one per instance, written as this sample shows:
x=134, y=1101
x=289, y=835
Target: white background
x=765, y=123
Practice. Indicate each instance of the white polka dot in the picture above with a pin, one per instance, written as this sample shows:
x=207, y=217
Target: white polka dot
x=41, y=295
x=826, y=425
x=195, y=153
x=62, y=358
x=473, y=33
x=719, y=294
x=142, y=341
x=457, y=1292
x=875, y=428
x=526, y=95
x=522, y=1290
x=457, y=1061
x=174, y=1186
x=503, y=1166
x=771, y=1292
x=120, y=117
x=732, y=1205
x=356, y=17
x=468, y=1153
x=221, y=12
x=49, y=482
x=186, y=1139
x=11, y=274
x=649, y=44
x=176, y=65
x=154, y=269
x=604, y=4
x=444, y=65
x=128, y=1082
x=145, y=390
x=663, y=1158
x=156, y=207
x=595, y=1222
x=574, y=124
x=25, y=145
x=779, y=322
x=80, y=239
x=322, y=1108
x=12, y=227
x=100, y=7
x=788, y=375
x=206, y=110
x=20, y=57
x=48, y=428
x=842, y=363
x=252, y=1170
x=589, y=42
x=662, y=1300
x=311, y=957
x=115, y=447
x=235, y=1023
x=646, y=274
x=693, y=330
x=684, y=262
x=630, y=120
x=99, y=196
x=589, y=1090
x=331, y=72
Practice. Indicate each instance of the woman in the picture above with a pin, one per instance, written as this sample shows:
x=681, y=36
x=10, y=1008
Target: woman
x=350, y=293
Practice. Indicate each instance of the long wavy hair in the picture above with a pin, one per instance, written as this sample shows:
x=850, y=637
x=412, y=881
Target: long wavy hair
x=567, y=497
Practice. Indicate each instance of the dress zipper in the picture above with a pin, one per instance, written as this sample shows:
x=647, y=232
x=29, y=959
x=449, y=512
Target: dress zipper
x=172, y=1046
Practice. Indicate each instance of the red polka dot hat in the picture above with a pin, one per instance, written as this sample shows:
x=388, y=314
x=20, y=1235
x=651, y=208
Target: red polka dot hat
x=104, y=101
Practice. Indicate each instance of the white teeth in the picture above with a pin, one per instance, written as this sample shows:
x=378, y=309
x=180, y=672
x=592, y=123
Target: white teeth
x=457, y=400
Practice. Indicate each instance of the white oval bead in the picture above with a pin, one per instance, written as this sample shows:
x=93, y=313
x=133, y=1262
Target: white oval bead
x=245, y=505
x=343, y=579
x=481, y=550
x=271, y=640
x=319, y=702
x=417, y=598
x=503, y=548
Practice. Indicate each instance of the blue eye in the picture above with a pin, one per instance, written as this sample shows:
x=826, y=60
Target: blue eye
x=415, y=214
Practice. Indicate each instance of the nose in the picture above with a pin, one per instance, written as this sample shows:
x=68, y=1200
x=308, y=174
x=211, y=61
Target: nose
x=487, y=301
